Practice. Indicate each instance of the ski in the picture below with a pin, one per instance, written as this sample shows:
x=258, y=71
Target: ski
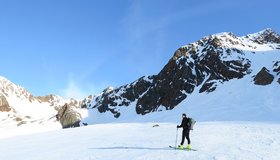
x=184, y=149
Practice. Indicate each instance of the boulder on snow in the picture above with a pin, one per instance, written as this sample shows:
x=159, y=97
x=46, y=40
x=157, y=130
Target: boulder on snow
x=4, y=105
x=68, y=117
x=263, y=77
x=155, y=125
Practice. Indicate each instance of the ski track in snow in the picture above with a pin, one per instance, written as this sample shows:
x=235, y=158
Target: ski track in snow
x=141, y=141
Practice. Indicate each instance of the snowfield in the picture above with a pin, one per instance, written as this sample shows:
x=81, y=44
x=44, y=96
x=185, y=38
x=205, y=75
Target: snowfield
x=142, y=141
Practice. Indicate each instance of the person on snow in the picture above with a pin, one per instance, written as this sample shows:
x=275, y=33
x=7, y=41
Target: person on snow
x=186, y=125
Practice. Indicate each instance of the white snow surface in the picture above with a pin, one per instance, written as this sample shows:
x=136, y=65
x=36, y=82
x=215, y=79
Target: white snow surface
x=142, y=141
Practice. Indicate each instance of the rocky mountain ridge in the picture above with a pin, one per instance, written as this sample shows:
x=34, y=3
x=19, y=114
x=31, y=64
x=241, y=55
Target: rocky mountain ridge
x=205, y=64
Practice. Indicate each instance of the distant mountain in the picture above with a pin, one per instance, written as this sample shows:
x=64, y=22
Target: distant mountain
x=198, y=69
x=18, y=106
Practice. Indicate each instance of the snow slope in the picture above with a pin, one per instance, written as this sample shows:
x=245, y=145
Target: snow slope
x=135, y=141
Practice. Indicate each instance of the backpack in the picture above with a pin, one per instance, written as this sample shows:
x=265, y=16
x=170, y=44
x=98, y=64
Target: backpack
x=191, y=123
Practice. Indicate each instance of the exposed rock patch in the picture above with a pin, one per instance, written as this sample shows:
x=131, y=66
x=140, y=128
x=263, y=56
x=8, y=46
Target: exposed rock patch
x=68, y=117
x=263, y=77
x=4, y=105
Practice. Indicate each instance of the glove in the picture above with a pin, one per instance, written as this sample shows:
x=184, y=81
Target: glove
x=178, y=126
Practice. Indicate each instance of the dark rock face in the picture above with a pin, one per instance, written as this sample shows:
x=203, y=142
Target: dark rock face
x=168, y=89
x=263, y=77
x=122, y=96
x=187, y=69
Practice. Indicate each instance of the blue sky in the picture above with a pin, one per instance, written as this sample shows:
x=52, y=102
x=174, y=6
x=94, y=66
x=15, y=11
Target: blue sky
x=74, y=48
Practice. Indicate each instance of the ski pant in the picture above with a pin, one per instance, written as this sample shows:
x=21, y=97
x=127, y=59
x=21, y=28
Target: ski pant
x=185, y=134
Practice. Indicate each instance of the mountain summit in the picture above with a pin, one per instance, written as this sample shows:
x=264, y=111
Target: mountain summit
x=265, y=36
x=198, y=69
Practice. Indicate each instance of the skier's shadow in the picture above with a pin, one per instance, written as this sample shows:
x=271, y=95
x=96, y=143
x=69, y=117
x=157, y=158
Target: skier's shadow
x=129, y=148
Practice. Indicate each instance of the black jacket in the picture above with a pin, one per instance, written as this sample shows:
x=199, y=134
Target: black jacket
x=186, y=123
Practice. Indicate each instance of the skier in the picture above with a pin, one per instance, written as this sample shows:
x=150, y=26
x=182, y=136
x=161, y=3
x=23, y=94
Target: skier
x=185, y=124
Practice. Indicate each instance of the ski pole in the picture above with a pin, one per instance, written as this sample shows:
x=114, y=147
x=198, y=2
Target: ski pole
x=176, y=138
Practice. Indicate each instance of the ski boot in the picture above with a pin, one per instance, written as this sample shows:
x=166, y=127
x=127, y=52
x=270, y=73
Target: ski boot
x=188, y=147
x=180, y=147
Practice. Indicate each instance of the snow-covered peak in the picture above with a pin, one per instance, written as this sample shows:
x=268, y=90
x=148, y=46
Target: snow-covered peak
x=4, y=81
x=266, y=31
x=230, y=40
x=226, y=39
x=264, y=40
x=218, y=40
x=10, y=89
x=108, y=89
x=264, y=36
x=224, y=35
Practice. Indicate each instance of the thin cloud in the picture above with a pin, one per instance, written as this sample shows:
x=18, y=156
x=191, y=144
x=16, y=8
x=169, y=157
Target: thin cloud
x=73, y=91
x=79, y=91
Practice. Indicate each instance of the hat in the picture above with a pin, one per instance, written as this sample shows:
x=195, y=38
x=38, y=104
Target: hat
x=184, y=114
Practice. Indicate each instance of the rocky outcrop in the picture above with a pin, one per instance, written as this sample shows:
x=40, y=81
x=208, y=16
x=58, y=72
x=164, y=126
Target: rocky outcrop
x=4, y=105
x=263, y=77
x=276, y=68
x=110, y=99
x=68, y=117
